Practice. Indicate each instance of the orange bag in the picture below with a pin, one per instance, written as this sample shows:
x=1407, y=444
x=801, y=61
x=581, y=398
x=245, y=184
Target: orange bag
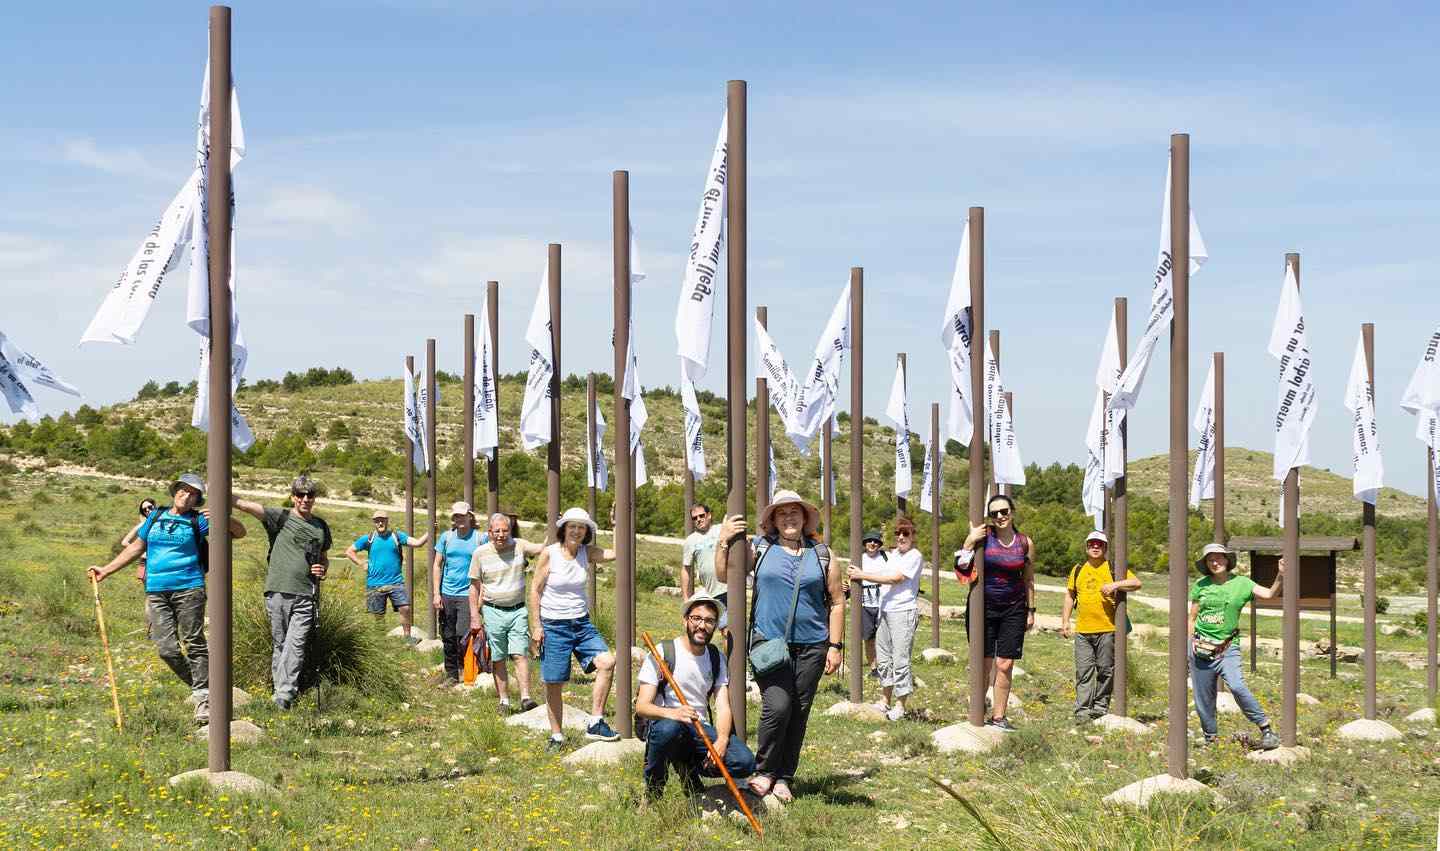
x=472, y=664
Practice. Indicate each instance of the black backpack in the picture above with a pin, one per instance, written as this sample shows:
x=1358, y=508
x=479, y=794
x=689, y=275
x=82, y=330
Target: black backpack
x=394, y=536
x=667, y=652
x=202, y=552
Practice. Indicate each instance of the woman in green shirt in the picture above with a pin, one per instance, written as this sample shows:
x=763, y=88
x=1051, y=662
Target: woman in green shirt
x=1215, y=605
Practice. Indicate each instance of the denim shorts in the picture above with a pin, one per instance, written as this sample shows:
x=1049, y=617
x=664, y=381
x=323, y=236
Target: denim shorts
x=577, y=636
x=375, y=598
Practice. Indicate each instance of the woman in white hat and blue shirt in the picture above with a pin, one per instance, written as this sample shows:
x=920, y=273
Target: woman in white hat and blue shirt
x=798, y=599
x=560, y=624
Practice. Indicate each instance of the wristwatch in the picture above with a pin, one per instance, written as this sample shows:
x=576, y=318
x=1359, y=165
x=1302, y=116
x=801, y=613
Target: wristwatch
x=837, y=645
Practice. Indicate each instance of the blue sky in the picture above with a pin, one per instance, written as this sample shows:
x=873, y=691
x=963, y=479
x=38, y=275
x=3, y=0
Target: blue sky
x=403, y=153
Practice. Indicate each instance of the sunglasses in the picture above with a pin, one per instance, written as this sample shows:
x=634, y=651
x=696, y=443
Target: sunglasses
x=999, y=512
x=903, y=535
x=305, y=495
x=701, y=516
x=1100, y=544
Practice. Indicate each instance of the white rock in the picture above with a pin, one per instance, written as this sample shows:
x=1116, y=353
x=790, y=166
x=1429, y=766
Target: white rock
x=415, y=632
x=966, y=739
x=605, y=753
x=242, y=732
x=1139, y=793
x=718, y=800
x=1225, y=704
x=667, y=591
x=938, y=655
x=232, y=782
x=537, y=719
x=947, y=613
x=238, y=698
x=752, y=691
x=1011, y=701
x=1304, y=699
x=484, y=684
x=428, y=645
x=1422, y=716
x=1395, y=629
x=1280, y=756
x=1123, y=724
x=1369, y=730
x=862, y=711
x=1017, y=672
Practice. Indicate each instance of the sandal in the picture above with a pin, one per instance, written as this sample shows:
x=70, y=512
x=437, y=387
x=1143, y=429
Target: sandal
x=761, y=785
x=782, y=792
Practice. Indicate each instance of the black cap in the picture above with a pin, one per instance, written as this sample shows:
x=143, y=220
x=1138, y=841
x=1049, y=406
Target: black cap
x=872, y=535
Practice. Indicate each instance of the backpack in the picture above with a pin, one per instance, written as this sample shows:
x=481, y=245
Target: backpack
x=667, y=652
x=822, y=553
x=1129, y=625
x=202, y=552
x=394, y=536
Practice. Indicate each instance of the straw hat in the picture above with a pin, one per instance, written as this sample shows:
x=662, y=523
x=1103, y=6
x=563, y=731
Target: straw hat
x=812, y=514
x=576, y=515
x=379, y=513
x=1211, y=549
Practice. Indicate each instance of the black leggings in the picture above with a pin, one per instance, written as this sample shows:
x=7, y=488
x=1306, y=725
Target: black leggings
x=786, y=695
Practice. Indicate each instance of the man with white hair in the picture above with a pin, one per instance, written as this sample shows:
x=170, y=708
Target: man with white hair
x=497, y=579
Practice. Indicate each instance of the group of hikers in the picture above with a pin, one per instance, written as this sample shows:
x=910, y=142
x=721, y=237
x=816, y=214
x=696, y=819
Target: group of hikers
x=481, y=595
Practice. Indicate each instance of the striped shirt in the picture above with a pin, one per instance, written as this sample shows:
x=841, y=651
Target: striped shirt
x=501, y=573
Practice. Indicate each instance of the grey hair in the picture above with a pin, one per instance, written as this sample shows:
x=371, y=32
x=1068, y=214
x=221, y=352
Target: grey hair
x=500, y=515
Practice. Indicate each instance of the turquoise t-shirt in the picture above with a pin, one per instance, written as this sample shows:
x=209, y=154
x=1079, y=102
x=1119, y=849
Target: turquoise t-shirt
x=385, y=558
x=455, y=581
x=172, y=552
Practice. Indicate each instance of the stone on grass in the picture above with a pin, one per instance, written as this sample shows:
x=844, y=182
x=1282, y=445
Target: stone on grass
x=752, y=691
x=1369, y=730
x=484, y=684
x=241, y=732
x=667, y=590
x=1139, y=793
x=861, y=711
x=415, y=632
x=938, y=655
x=537, y=719
x=238, y=698
x=605, y=753
x=1422, y=716
x=428, y=645
x=1395, y=629
x=1225, y=704
x=964, y=738
x=1280, y=756
x=1017, y=672
x=717, y=799
x=231, y=782
x=1011, y=701
x=1123, y=724
x=947, y=613
x=1304, y=699
x=1149, y=630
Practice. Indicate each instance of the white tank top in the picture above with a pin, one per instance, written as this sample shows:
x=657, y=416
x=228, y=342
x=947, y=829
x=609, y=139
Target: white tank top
x=564, y=595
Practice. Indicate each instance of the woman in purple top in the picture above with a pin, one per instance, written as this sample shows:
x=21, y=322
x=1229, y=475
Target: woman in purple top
x=1009, y=597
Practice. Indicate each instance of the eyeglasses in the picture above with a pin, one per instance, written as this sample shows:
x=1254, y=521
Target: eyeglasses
x=701, y=516
x=999, y=512
x=698, y=621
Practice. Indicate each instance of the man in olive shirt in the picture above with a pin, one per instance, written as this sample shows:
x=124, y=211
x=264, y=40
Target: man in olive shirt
x=299, y=559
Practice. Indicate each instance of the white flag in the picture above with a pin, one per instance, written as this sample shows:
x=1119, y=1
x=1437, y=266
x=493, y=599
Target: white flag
x=1364, y=434
x=597, y=472
x=535, y=408
x=774, y=475
x=1000, y=427
x=694, y=433
x=1092, y=488
x=16, y=394
x=779, y=380
x=486, y=416
x=1162, y=303
x=955, y=337
x=1202, y=483
x=1427, y=430
x=820, y=387
x=1423, y=391
x=641, y=475
x=29, y=368
x=639, y=415
x=697, y=292
x=1295, y=396
x=1107, y=378
x=897, y=411
x=413, y=427
x=926, y=504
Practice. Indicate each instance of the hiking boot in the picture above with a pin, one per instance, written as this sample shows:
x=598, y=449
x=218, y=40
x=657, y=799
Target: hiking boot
x=506, y=708
x=601, y=732
x=1001, y=724
x=554, y=745
x=1209, y=740
x=896, y=713
x=1269, y=741
x=527, y=704
x=202, y=711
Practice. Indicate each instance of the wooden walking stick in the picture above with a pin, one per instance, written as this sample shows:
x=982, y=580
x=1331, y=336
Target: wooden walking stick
x=105, y=642
x=699, y=728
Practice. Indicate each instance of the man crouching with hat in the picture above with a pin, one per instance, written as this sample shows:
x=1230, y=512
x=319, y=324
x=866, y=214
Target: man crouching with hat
x=698, y=667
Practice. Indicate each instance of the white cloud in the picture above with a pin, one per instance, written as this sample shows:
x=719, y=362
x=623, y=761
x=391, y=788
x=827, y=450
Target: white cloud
x=311, y=207
x=18, y=251
x=122, y=162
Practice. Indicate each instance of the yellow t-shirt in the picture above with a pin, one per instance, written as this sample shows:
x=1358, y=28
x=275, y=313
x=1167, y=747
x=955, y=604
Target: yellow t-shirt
x=1094, y=612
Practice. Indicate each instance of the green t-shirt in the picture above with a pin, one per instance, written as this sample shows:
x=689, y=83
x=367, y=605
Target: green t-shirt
x=1218, y=615
x=298, y=544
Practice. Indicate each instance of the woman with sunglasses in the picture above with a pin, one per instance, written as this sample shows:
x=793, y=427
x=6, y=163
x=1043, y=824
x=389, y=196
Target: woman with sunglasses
x=899, y=615
x=1009, y=597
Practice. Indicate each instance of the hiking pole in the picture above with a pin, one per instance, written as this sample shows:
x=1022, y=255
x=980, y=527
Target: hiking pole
x=709, y=745
x=105, y=642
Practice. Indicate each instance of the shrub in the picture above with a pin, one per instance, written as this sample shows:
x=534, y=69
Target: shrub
x=62, y=602
x=149, y=390
x=360, y=486
x=650, y=575
x=344, y=649
x=337, y=430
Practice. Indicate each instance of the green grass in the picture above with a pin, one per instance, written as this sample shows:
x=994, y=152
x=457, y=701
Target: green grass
x=438, y=769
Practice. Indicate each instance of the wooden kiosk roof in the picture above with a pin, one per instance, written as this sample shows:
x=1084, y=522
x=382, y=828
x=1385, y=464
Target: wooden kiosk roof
x=1308, y=543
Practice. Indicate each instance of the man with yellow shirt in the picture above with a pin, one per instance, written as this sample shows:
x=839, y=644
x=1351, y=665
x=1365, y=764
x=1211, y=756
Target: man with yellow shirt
x=1090, y=593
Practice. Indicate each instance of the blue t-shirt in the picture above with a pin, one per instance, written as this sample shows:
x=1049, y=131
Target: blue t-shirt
x=385, y=558
x=455, y=581
x=172, y=552
x=775, y=587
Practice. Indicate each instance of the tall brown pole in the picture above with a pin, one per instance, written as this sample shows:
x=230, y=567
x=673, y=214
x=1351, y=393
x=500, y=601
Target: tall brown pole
x=736, y=247
x=624, y=471
x=492, y=467
x=857, y=478
x=594, y=465
x=975, y=602
x=827, y=476
x=762, y=428
x=935, y=457
x=689, y=488
x=902, y=504
x=1120, y=519
x=217, y=452
x=1179, y=447
x=1367, y=537
x=1219, y=448
x=410, y=502
x=1291, y=589
x=552, y=456
x=470, y=410
x=434, y=474
x=1432, y=581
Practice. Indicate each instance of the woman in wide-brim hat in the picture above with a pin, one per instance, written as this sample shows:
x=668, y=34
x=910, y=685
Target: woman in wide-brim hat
x=1216, y=601
x=799, y=600
x=560, y=626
